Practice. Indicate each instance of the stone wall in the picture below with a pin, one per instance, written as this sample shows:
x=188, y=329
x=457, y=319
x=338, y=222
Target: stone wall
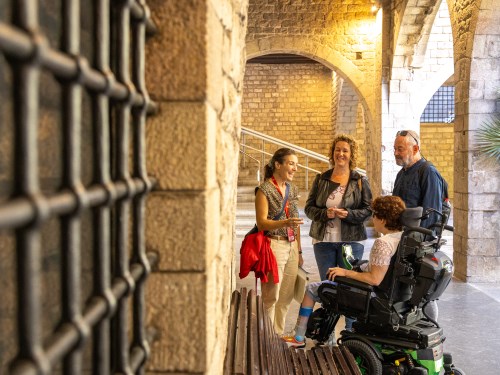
x=290, y=102
x=345, y=25
x=194, y=73
x=477, y=179
x=437, y=142
x=351, y=119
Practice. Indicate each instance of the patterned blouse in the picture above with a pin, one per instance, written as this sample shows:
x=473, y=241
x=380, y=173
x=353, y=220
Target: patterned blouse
x=383, y=249
x=275, y=201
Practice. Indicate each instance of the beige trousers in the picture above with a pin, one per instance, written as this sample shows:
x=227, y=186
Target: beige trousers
x=277, y=297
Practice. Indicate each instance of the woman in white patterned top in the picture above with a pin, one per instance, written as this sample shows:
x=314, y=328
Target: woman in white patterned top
x=386, y=213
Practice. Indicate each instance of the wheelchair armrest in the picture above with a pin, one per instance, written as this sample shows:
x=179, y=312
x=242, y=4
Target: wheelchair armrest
x=341, y=280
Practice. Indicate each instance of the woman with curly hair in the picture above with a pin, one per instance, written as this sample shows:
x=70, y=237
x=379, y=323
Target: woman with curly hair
x=338, y=204
x=386, y=220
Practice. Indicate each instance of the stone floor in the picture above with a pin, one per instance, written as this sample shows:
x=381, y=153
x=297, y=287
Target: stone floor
x=469, y=313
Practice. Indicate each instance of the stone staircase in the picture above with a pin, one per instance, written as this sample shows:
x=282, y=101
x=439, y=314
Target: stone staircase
x=247, y=182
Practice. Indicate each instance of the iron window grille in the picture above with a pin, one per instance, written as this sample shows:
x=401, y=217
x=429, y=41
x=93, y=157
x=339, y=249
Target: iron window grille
x=73, y=183
x=441, y=107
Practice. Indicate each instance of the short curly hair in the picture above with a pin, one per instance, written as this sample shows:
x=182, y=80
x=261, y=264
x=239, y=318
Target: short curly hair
x=389, y=208
x=353, y=162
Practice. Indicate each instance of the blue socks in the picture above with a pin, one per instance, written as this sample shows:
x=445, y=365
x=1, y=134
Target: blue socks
x=301, y=325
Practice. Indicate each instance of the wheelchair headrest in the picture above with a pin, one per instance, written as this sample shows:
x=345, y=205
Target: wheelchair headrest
x=411, y=217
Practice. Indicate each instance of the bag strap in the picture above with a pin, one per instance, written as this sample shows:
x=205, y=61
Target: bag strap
x=287, y=190
x=421, y=170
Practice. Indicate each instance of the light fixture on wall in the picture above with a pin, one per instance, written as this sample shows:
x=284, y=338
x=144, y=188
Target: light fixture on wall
x=375, y=6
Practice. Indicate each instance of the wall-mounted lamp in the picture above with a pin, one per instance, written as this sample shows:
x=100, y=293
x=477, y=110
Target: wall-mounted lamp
x=375, y=6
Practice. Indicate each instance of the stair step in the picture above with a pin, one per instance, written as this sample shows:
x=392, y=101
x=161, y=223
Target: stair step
x=248, y=181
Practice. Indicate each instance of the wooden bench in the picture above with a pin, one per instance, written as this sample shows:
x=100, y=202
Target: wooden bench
x=254, y=348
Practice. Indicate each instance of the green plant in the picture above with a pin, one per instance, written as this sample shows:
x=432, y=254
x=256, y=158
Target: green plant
x=488, y=138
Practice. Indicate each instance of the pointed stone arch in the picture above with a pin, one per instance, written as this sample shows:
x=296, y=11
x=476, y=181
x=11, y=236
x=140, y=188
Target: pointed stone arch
x=364, y=87
x=302, y=45
x=422, y=62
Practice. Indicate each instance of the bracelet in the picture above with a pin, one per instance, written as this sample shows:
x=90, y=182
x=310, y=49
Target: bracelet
x=300, y=251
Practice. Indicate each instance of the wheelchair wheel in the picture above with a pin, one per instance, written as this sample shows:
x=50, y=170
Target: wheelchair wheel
x=365, y=357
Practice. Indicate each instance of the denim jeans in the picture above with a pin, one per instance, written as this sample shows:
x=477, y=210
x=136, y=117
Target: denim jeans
x=329, y=255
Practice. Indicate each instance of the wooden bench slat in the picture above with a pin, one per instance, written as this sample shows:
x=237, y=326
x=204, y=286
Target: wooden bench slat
x=240, y=355
x=321, y=360
x=350, y=360
x=254, y=348
x=263, y=344
x=253, y=340
x=334, y=368
x=288, y=358
x=313, y=366
x=297, y=370
x=303, y=362
x=232, y=326
x=339, y=358
x=273, y=351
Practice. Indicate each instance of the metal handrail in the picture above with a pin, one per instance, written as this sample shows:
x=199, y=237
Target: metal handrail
x=269, y=154
x=266, y=138
x=307, y=153
x=258, y=163
x=277, y=141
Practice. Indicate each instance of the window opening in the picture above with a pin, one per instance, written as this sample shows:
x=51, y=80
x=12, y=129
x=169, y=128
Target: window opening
x=441, y=107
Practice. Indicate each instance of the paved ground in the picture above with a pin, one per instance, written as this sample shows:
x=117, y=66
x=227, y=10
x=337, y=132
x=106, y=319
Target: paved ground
x=468, y=313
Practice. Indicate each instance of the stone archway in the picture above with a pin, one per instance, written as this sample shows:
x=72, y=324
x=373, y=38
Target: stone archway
x=421, y=63
x=304, y=46
x=363, y=85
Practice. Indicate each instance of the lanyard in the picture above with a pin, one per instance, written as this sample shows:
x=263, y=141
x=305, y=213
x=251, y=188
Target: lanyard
x=275, y=183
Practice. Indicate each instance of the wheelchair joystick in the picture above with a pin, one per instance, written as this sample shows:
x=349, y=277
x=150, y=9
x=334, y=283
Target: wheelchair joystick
x=347, y=258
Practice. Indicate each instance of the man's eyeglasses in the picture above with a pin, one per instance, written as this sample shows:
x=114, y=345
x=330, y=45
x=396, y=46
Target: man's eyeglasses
x=404, y=133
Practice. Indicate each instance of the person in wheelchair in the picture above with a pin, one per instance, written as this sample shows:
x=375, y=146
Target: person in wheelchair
x=386, y=213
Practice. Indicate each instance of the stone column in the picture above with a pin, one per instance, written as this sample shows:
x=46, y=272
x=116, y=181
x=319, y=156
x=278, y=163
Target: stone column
x=194, y=74
x=477, y=179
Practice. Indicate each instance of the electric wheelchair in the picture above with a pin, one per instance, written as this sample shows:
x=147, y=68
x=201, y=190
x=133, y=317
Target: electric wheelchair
x=392, y=333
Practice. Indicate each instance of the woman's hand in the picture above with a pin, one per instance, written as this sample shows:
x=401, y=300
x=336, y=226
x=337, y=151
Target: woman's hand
x=330, y=212
x=334, y=212
x=336, y=271
x=293, y=222
x=301, y=260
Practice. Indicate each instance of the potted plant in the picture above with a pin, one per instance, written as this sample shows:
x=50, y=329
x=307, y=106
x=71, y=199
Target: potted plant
x=488, y=138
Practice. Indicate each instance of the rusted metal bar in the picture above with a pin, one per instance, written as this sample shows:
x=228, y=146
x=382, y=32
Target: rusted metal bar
x=29, y=55
x=28, y=243
x=71, y=223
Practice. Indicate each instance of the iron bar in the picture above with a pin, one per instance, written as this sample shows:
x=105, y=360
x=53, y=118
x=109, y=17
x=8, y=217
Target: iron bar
x=121, y=37
x=21, y=211
x=101, y=350
x=14, y=42
x=115, y=197
x=71, y=224
x=25, y=91
x=141, y=352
